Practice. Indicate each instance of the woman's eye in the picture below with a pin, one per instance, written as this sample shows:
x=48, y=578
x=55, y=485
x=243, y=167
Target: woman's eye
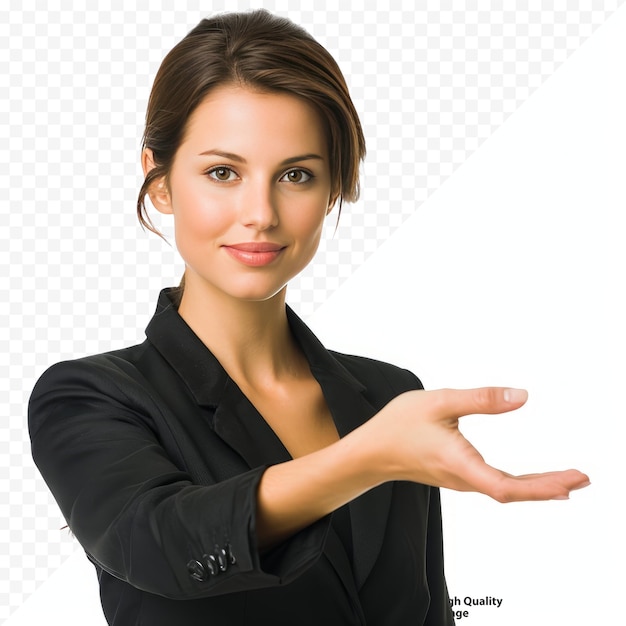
x=297, y=176
x=222, y=174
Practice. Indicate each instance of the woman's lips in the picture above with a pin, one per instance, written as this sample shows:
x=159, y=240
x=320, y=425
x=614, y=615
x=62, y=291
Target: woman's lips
x=254, y=254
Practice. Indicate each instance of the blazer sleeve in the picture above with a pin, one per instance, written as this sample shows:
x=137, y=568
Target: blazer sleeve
x=135, y=512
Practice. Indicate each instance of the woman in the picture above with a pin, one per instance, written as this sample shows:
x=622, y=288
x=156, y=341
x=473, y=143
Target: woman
x=230, y=469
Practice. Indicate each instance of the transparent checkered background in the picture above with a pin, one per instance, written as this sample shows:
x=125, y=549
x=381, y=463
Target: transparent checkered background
x=80, y=276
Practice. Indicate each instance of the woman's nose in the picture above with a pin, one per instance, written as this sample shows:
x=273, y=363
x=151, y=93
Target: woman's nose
x=258, y=206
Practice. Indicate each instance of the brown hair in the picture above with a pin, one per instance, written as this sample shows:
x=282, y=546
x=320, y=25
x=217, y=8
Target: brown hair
x=265, y=52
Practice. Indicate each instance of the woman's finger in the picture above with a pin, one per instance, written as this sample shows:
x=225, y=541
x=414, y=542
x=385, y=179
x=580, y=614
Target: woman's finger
x=545, y=486
x=458, y=402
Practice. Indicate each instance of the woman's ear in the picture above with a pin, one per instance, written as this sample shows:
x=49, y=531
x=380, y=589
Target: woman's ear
x=158, y=191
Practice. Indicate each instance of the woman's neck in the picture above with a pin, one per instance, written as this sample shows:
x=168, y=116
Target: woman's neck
x=251, y=339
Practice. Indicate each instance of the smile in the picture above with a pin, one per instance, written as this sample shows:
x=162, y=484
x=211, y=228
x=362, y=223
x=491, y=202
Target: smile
x=254, y=254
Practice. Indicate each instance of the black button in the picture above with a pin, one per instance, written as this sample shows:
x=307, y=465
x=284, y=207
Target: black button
x=211, y=564
x=229, y=554
x=196, y=570
x=222, y=560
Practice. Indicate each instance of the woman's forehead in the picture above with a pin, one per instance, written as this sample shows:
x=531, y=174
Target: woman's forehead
x=241, y=120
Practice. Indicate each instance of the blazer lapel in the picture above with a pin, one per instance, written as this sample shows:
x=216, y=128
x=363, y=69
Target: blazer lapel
x=242, y=427
x=335, y=552
x=231, y=415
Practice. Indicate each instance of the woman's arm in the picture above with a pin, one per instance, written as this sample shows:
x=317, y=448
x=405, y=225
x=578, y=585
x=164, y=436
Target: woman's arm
x=414, y=437
x=101, y=441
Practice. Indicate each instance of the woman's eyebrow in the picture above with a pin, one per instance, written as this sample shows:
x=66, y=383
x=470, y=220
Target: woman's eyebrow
x=235, y=157
x=226, y=155
x=303, y=157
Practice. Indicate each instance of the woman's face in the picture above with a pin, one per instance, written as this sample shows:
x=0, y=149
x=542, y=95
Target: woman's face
x=249, y=189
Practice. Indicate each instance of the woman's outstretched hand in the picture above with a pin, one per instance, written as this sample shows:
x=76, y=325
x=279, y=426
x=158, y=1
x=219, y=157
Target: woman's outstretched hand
x=416, y=437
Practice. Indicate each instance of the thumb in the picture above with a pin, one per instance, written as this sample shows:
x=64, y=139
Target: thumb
x=459, y=402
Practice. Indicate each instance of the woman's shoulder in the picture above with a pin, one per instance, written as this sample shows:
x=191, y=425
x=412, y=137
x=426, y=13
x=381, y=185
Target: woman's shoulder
x=99, y=367
x=375, y=374
x=91, y=379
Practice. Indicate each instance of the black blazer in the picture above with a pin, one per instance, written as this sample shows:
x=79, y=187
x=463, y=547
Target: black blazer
x=154, y=456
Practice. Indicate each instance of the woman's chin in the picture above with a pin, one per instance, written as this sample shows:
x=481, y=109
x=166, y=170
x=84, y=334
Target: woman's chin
x=255, y=292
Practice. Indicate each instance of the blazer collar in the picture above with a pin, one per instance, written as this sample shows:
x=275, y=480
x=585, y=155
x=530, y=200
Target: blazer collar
x=239, y=424
x=204, y=375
